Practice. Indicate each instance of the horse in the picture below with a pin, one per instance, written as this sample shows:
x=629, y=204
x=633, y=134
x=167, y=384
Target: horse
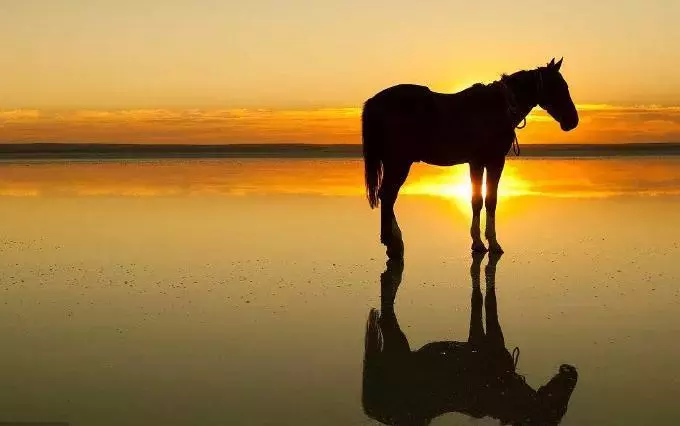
x=477, y=378
x=409, y=123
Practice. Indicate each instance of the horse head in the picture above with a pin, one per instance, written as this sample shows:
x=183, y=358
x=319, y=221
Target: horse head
x=550, y=401
x=554, y=96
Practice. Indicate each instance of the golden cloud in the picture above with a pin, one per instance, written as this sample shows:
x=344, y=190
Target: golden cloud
x=599, y=124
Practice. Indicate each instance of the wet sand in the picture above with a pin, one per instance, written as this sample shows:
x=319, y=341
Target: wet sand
x=238, y=291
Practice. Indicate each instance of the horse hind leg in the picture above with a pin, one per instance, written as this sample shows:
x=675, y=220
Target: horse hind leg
x=394, y=176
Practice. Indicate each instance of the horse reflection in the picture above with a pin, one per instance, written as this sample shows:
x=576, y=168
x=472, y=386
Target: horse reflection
x=477, y=378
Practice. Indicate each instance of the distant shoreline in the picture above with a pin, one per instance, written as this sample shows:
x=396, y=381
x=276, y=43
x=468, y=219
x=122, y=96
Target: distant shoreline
x=74, y=151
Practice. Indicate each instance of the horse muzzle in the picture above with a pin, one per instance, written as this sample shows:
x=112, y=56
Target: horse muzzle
x=570, y=125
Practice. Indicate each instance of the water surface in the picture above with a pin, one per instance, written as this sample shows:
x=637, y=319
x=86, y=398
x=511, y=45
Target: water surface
x=238, y=291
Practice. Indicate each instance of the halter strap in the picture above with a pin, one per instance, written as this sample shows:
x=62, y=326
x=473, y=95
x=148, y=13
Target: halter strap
x=515, y=142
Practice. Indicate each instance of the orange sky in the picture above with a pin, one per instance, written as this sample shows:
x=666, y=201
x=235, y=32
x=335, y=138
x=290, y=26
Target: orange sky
x=203, y=71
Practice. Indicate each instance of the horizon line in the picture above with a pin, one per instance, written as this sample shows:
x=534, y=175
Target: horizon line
x=94, y=151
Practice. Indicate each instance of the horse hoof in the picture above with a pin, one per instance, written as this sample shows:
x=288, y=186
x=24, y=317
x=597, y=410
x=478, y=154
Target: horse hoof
x=478, y=247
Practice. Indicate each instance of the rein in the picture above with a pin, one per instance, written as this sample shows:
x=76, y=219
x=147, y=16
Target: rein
x=512, y=106
x=515, y=361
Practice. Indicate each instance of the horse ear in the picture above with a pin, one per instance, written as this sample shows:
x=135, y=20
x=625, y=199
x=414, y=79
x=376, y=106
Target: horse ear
x=551, y=63
x=558, y=64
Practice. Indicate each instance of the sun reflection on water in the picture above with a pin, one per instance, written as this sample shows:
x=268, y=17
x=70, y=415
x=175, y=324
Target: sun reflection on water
x=454, y=183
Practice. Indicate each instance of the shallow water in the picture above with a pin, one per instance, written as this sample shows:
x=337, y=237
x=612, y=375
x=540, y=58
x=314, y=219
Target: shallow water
x=238, y=292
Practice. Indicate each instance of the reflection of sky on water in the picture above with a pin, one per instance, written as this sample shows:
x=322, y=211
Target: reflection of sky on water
x=128, y=285
x=554, y=177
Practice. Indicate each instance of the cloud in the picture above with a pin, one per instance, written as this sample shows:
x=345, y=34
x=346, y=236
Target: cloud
x=599, y=124
x=608, y=124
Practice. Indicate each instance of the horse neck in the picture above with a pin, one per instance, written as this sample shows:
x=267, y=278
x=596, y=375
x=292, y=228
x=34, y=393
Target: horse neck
x=524, y=87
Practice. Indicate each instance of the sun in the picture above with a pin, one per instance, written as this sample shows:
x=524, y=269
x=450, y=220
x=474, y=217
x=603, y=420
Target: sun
x=454, y=184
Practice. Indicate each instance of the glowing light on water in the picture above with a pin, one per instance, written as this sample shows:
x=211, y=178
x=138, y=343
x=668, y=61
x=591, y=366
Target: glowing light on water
x=455, y=182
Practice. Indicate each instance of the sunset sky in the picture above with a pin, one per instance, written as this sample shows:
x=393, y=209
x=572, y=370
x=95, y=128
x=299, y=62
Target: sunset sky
x=208, y=71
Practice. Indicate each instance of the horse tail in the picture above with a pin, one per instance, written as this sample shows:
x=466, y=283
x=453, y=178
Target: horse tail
x=373, y=337
x=373, y=167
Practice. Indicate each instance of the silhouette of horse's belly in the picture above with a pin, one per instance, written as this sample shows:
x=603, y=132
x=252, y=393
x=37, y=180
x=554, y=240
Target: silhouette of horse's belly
x=447, y=141
x=442, y=155
x=462, y=141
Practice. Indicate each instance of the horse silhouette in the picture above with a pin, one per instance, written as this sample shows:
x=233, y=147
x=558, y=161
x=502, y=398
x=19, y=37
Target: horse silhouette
x=408, y=123
x=477, y=378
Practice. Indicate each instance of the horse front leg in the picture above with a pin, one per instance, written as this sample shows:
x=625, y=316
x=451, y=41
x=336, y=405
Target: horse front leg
x=476, y=175
x=494, y=170
x=394, y=176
